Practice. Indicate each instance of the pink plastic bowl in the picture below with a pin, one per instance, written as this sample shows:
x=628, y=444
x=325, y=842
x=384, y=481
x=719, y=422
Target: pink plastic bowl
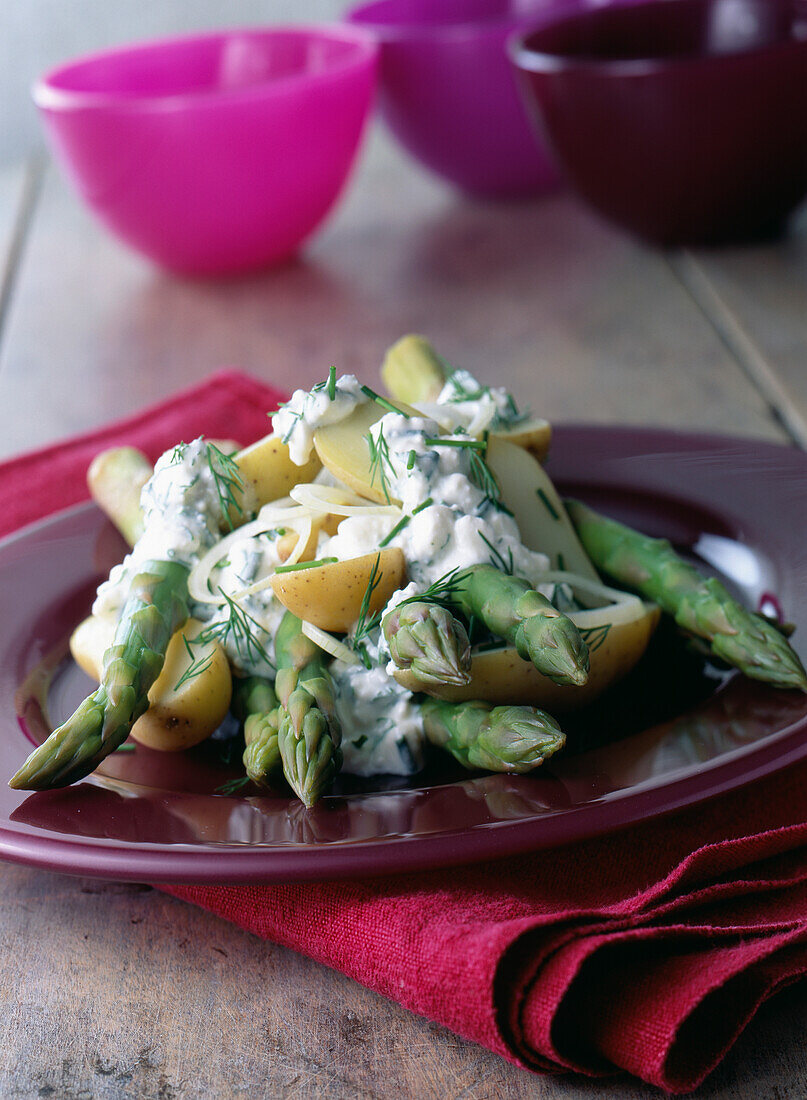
x=447, y=93
x=217, y=153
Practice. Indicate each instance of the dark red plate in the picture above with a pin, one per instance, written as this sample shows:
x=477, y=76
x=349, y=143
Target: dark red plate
x=674, y=734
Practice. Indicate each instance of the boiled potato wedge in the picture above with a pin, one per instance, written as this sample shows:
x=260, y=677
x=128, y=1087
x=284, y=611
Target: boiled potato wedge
x=330, y=596
x=539, y=512
x=267, y=468
x=500, y=676
x=413, y=371
x=176, y=719
x=342, y=448
x=534, y=435
x=115, y=479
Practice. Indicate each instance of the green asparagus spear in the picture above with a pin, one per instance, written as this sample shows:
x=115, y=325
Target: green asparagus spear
x=428, y=639
x=701, y=606
x=512, y=610
x=255, y=704
x=309, y=734
x=156, y=608
x=262, y=760
x=252, y=695
x=413, y=371
x=499, y=739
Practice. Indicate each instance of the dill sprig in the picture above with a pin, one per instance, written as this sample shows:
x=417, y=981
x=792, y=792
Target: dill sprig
x=178, y=453
x=383, y=402
x=366, y=622
x=197, y=665
x=497, y=558
x=227, y=480
x=380, y=461
x=594, y=636
x=483, y=478
x=440, y=591
x=232, y=786
x=240, y=627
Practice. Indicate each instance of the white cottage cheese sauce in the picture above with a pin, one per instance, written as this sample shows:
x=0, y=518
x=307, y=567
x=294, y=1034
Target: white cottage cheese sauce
x=454, y=521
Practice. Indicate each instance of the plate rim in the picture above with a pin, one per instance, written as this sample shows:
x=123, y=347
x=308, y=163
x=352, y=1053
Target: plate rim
x=171, y=863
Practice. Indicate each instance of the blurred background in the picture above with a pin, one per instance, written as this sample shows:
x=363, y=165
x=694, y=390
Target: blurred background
x=35, y=34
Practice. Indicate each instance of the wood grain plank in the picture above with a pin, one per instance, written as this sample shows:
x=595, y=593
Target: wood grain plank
x=580, y=322
x=18, y=191
x=757, y=298
x=122, y=992
x=117, y=991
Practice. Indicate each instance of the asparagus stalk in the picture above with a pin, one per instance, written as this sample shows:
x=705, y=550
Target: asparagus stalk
x=499, y=739
x=701, y=606
x=412, y=371
x=512, y=610
x=156, y=608
x=308, y=732
x=255, y=703
x=428, y=639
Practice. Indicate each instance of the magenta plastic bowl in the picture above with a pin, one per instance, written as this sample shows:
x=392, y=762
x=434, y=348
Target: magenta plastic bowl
x=217, y=153
x=684, y=121
x=447, y=93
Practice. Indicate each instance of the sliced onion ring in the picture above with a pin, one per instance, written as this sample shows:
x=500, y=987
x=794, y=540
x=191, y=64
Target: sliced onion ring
x=612, y=605
x=329, y=644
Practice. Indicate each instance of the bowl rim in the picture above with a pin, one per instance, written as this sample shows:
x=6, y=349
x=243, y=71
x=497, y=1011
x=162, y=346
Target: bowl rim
x=460, y=29
x=48, y=96
x=530, y=60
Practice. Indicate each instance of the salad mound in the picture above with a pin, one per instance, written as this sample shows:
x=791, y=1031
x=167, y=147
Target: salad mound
x=377, y=575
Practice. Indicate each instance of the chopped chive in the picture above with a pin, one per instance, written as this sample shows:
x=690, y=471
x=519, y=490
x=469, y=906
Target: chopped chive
x=547, y=503
x=399, y=526
x=305, y=565
x=424, y=504
x=382, y=401
x=332, y=384
x=468, y=444
x=410, y=462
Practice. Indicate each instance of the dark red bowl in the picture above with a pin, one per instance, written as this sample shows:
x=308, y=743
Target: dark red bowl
x=685, y=121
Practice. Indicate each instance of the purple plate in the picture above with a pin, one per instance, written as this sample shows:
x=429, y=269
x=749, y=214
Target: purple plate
x=674, y=734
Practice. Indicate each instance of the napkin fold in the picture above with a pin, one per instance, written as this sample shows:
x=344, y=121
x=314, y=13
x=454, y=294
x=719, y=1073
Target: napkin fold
x=646, y=951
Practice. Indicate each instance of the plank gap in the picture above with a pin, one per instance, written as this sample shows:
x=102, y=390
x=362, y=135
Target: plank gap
x=740, y=345
x=29, y=197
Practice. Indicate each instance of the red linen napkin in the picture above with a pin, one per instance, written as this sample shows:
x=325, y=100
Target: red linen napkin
x=647, y=950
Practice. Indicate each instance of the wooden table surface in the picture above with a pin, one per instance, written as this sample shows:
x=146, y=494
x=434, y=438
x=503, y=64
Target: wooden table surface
x=118, y=991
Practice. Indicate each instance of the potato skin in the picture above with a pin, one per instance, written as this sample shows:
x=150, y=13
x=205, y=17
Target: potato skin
x=539, y=512
x=500, y=676
x=268, y=471
x=330, y=596
x=175, y=720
